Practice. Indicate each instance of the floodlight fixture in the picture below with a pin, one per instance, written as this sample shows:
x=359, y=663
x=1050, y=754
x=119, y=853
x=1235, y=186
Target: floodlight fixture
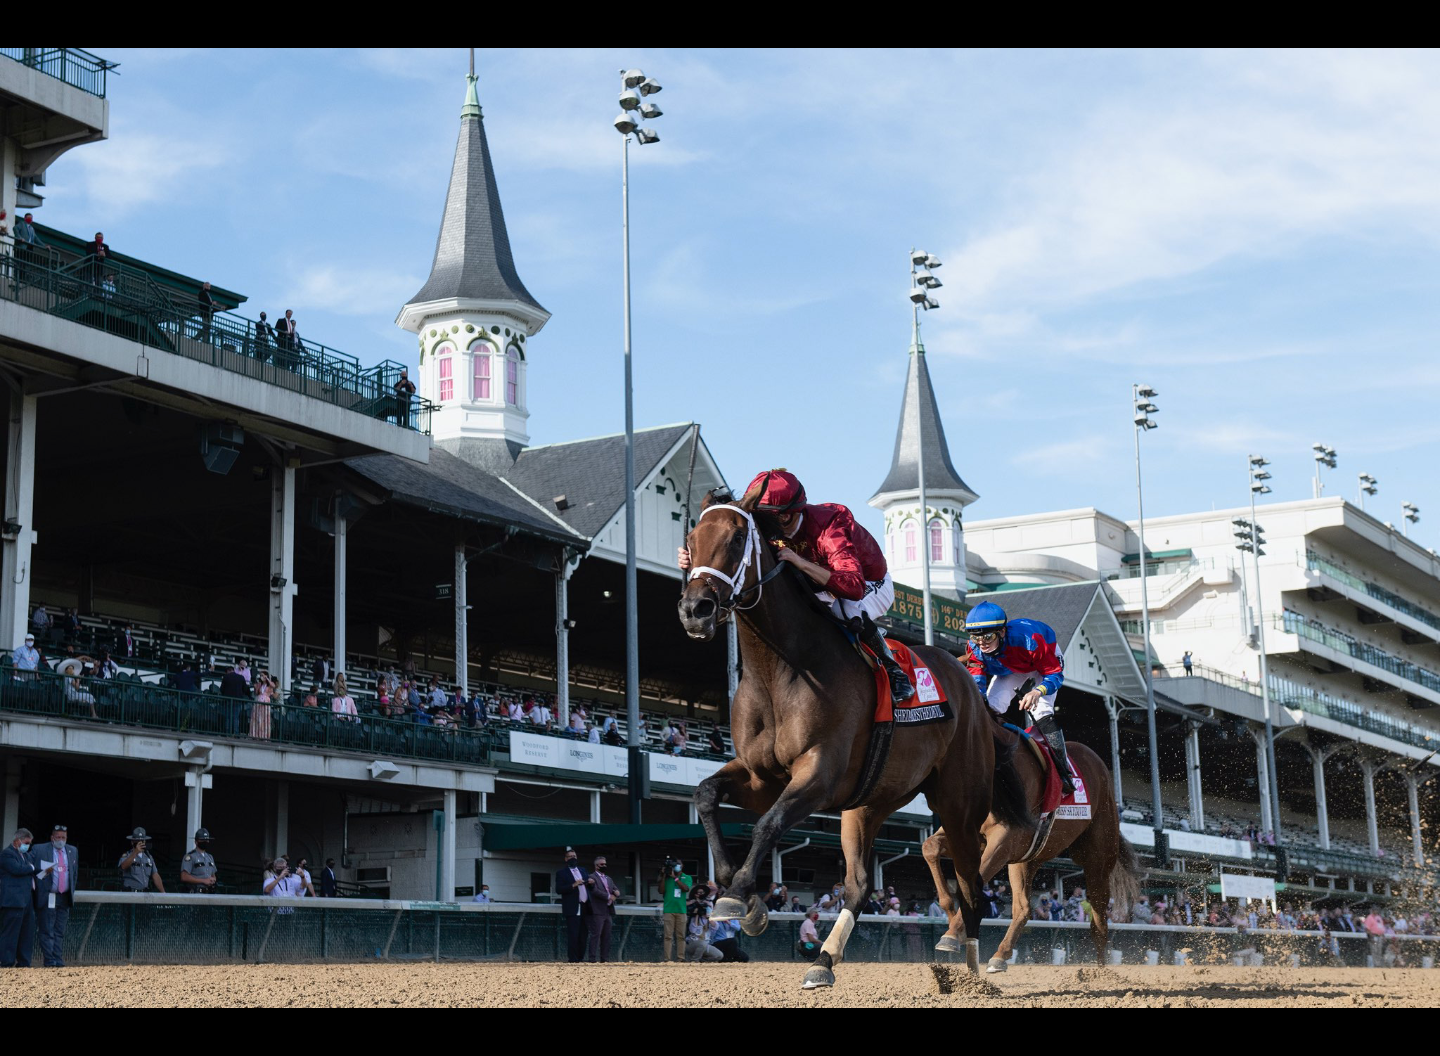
x=918, y=257
x=646, y=135
x=1145, y=392
x=930, y=303
x=918, y=295
x=649, y=86
x=630, y=100
x=626, y=123
x=634, y=78
x=650, y=111
x=932, y=261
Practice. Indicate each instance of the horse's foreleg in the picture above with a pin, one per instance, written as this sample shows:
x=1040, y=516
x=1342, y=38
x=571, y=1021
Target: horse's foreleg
x=857, y=836
x=934, y=849
x=801, y=798
x=1021, y=874
x=734, y=783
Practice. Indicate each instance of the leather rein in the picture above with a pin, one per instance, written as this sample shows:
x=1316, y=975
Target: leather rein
x=735, y=582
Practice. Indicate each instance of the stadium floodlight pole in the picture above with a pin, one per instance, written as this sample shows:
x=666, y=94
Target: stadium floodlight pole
x=922, y=281
x=1142, y=395
x=1368, y=486
x=1324, y=456
x=1410, y=515
x=1258, y=477
x=632, y=112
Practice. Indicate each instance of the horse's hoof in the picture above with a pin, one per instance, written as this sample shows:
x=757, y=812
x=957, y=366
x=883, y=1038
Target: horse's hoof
x=997, y=964
x=728, y=908
x=949, y=944
x=756, y=920
x=817, y=977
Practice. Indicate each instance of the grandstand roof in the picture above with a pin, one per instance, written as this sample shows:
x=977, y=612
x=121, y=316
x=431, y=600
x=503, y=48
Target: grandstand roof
x=591, y=473
x=920, y=424
x=472, y=254
x=451, y=486
x=1062, y=607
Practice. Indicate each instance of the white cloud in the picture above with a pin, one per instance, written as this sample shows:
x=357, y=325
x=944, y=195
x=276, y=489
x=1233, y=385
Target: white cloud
x=350, y=290
x=139, y=169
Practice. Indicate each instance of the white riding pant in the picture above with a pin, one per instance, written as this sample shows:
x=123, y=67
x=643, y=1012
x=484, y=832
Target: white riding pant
x=1002, y=691
x=878, y=598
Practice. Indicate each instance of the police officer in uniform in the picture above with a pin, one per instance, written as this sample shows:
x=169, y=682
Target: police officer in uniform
x=197, y=869
x=137, y=868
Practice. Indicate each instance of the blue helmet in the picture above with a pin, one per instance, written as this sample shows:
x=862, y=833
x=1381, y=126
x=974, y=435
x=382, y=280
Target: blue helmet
x=987, y=616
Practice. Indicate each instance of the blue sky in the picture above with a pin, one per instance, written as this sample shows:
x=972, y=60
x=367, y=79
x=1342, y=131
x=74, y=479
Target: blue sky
x=1254, y=234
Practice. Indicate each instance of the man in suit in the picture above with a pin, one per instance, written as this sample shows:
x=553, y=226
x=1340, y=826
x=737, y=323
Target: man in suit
x=327, y=879
x=18, y=869
x=599, y=912
x=287, y=340
x=574, y=884
x=55, y=894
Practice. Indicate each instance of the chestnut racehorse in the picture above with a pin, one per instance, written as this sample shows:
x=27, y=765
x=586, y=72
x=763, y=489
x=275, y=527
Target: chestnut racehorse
x=801, y=722
x=1095, y=844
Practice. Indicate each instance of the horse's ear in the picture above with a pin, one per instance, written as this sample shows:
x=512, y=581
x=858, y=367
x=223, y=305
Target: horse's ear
x=751, y=498
x=719, y=496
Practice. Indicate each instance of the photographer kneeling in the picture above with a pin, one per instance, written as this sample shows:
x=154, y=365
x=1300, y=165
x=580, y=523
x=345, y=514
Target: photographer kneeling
x=697, y=942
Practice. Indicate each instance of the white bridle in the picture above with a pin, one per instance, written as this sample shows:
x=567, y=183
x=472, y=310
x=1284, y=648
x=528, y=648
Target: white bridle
x=736, y=582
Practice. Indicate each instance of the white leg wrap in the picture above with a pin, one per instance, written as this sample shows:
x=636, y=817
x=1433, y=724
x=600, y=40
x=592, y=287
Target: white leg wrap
x=839, y=935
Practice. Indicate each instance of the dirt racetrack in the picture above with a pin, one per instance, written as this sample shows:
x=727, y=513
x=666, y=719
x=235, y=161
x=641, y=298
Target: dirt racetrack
x=425, y=984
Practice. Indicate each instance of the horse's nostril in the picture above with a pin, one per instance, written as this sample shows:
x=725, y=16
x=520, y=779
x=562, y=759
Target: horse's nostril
x=703, y=609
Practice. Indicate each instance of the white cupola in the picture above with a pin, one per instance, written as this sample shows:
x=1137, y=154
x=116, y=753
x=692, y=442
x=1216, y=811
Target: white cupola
x=474, y=316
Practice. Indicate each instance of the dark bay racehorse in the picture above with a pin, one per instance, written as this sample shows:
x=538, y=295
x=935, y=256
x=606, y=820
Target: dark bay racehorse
x=1095, y=844
x=801, y=721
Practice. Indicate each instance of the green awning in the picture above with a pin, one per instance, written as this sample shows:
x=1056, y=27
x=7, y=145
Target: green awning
x=1156, y=555
x=526, y=835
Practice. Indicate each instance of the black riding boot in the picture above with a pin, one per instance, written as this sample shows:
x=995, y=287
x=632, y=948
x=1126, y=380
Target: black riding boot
x=1052, y=733
x=900, y=688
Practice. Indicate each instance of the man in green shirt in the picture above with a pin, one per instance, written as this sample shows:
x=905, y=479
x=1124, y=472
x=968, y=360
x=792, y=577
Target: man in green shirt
x=675, y=884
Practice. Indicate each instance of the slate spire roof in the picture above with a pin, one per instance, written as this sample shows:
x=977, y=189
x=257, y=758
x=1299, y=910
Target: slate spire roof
x=472, y=255
x=920, y=424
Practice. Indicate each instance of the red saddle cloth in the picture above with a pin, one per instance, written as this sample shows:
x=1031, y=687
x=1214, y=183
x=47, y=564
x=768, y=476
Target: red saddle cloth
x=1076, y=804
x=927, y=705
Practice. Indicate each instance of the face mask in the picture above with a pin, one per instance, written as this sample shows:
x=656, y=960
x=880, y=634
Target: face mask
x=24, y=847
x=570, y=861
x=600, y=868
x=484, y=890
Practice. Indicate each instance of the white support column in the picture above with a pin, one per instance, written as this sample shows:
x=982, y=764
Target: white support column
x=595, y=807
x=1192, y=778
x=194, y=803
x=19, y=509
x=1113, y=710
x=282, y=817
x=462, y=620
x=1262, y=779
x=14, y=770
x=1322, y=810
x=732, y=659
x=1412, y=785
x=341, y=530
x=447, y=853
x=282, y=565
x=1372, y=825
x=562, y=639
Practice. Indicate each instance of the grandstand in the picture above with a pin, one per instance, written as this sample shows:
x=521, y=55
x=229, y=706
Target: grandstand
x=276, y=502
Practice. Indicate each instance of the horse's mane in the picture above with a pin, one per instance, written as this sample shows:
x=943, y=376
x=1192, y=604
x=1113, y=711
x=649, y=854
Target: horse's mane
x=768, y=523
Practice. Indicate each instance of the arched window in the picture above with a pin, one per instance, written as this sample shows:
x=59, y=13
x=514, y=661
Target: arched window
x=937, y=541
x=890, y=545
x=957, y=539
x=480, y=371
x=447, y=372
x=911, y=555
x=512, y=377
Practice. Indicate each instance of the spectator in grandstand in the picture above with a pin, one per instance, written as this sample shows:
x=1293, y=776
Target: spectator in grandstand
x=483, y=896
x=809, y=944
x=243, y=666
x=40, y=623
x=106, y=667
x=260, y=710
x=893, y=909
x=72, y=625
x=26, y=657
x=599, y=910
x=320, y=671
x=76, y=695
x=1187, y=663
x=19, y=866
x=302, y=873
x=235, y=688
x=188, y=680
x=795, y=906
x=776, y=897
x=573, y=884
x=382, y=696
x=54, y=894
x=99, y=249
x=1252, y=833
x=342, y=703
x=1374, y=926
x=610, y=734
x=404, y=393
x=264, y=337
x=1184, y=823
x=593, y=737
x=328, y=886
x=311, y=698
x=577, y=725
x=400, y=706
x=206, y=303
x=681, y=739
x=287, y=341
x=137, y=868
x=1040, y=908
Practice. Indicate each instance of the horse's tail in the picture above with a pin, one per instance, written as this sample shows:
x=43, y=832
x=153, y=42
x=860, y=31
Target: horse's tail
x=1008, y=801
x=1125, y=876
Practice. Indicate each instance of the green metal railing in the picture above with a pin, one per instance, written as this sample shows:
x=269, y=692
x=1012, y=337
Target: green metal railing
x=1297, y=624
x=1293, y=695
x=75, y=66
x=125, y=301
x=130, y=703
x=1316, y=563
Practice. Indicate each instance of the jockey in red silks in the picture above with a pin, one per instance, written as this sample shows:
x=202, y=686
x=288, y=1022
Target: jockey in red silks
x=841, y=559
